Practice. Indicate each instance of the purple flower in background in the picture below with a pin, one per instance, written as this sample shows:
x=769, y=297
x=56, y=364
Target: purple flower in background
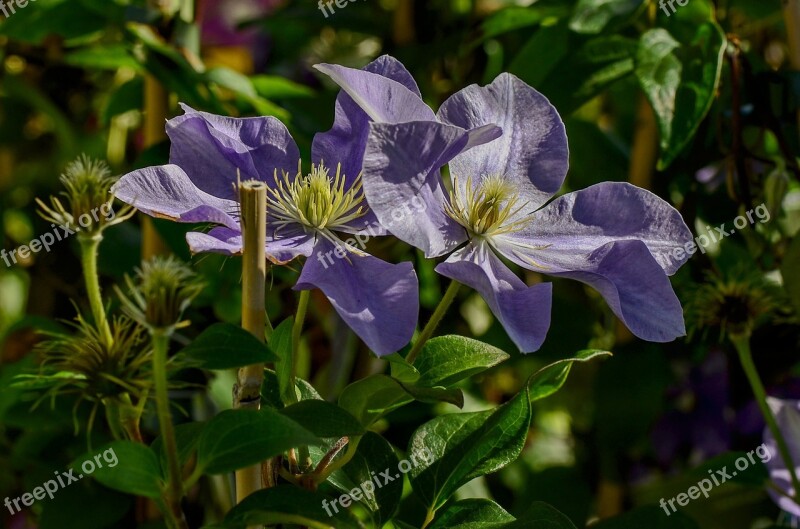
x=222, y=18
x=378, y=300
x=702, y=420
x=787, y=414
x=613, y=236
x=749, y=420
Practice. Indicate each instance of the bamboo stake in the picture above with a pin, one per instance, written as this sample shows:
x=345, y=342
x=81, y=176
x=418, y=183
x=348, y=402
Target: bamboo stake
x=247, y=390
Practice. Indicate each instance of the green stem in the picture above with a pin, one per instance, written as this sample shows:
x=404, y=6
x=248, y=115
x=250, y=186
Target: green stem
x=130, y=416
x=174, y=489
x=742, y=345
x=438, y=314
x=429, y=517
x=123, y=417
x=330, y=468
x=297, y=330
x=89, y=247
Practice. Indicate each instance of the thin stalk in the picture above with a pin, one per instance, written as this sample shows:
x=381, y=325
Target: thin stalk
x=174, y=489
x=297, y=330
x=323, y=471
x=742, y=345
x=89, y=247
x=247, y=391
x=438, y=314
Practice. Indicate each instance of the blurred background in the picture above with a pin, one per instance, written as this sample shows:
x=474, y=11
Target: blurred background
x=698, y=104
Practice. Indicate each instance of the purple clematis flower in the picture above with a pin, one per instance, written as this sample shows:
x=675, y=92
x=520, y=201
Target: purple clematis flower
x=613, y=236
x=787, y=414
x=306, y=212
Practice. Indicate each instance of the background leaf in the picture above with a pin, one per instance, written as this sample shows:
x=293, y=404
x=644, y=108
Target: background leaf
x=680, y=81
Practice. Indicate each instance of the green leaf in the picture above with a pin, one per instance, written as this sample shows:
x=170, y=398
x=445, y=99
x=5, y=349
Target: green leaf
x=281, y=343
x=542, y=516
x=288, y=504
x=323, y=419
x=401, y=369
x=650, y=517
x=434, y=395
x=472, y=514
x=514, y=17
x=227, y=346
x=232, y=80
x=125, y=466
x=277, y=87
x=541, y=54
x=235, y=439
x=372, y=397
x=68, y=508
x=592, y=16
x=464, y=446
x=374, y=455
x=680, y=81
x=571, y=70
x=42, y=18
x=107, y=57
x=186, y=437
x=270, y=390
x=445, y=360
x=789, y=268
x=550, y=378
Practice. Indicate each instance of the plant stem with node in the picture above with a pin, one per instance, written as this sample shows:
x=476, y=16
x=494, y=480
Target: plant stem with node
x=247, y=390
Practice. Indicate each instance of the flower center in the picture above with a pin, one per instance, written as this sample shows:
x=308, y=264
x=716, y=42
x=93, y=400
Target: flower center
x=315, y=200
x=486, y=209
